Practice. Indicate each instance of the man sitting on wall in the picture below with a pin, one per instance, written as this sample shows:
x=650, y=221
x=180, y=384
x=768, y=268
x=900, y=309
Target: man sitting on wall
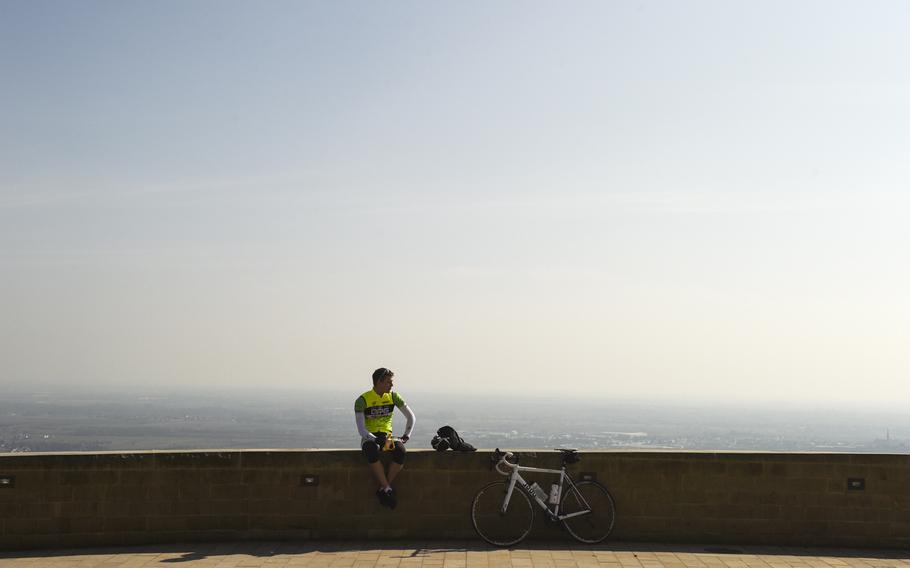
x=373, y=415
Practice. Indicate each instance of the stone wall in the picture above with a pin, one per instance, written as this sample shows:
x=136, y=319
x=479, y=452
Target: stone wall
x=66, y=500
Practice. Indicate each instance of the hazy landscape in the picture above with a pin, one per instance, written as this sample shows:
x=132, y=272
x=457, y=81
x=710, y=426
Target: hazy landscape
x=36, y=421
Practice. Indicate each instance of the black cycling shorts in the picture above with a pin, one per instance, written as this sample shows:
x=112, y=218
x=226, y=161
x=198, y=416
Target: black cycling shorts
x=371, y=449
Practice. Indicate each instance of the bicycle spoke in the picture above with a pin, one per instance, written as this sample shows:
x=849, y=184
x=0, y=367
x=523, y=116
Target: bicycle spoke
x=593, y=526
x=495, y=526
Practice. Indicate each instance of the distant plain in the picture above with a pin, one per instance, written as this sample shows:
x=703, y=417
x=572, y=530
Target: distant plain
x=59, y=420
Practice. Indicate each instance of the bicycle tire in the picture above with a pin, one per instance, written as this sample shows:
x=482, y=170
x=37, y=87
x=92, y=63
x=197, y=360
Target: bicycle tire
x=595, y=526
x=496, y=527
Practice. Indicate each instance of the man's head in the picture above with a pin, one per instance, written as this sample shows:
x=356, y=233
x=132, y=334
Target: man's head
x=382, y=380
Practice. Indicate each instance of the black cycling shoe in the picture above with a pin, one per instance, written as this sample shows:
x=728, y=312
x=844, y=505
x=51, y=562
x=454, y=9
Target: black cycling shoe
x=383, y=498
x=392, y=496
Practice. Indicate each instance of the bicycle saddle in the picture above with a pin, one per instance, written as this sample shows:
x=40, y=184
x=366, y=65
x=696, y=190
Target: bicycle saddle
x=569, y=455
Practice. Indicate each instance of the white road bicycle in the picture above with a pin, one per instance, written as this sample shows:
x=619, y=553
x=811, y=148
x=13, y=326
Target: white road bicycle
x=503, y=513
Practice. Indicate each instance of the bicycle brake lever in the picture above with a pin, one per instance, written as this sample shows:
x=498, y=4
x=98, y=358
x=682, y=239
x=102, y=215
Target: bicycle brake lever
x=494, y=458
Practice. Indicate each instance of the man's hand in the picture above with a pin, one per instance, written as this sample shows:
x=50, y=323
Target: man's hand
x=404, y=439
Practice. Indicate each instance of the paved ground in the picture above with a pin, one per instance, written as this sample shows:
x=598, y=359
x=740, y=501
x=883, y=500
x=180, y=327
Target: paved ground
x=458, y=555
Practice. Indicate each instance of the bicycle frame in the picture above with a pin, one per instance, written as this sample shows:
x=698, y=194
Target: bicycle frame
x=515, y=478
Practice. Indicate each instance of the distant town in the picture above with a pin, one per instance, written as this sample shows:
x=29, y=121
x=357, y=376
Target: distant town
x=54, y=422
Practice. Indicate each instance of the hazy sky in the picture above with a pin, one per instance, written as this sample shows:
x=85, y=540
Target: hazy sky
x=687, y=199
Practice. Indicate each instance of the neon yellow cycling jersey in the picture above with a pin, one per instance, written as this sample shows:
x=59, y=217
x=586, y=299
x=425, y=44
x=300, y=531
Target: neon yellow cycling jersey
x=377, y=410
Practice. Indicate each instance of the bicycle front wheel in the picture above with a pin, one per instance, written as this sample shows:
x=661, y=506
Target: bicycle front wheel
x=495, y=526
x=596, y=525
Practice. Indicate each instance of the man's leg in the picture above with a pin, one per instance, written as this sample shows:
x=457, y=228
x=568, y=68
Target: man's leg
x=394, y=468
x=398, y=455
x=371, y=451
x=379, y=474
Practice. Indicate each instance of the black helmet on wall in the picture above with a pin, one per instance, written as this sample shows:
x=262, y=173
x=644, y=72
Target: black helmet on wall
x=440, y=444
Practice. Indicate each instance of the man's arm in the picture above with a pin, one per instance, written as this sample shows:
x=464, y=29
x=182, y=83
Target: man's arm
x=361, y=420
x=409, y=414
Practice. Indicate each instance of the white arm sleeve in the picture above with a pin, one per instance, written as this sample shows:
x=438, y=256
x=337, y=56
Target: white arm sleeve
x=409, y=414
x=361, y=422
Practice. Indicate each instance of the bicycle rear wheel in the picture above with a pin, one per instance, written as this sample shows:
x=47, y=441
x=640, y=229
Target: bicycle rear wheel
x=592, y=527
x=495, y=526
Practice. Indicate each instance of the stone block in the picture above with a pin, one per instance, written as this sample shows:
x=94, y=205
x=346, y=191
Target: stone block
x=114, y=509
x=433, y=488
x=91, y=477
x=52, y=526
x=196, y=523
x=123, y=493
x=270, y=507
x=188, y=507
x=268, y=477
x=135, y=477
x=161, y=492
x=745, y=469
x=123, y=524
x=198, y=460
x=900, y=530
x=29, y=488
x=267, y=522
x=86, y=525
x=137, y=538
x=181, y=477
x=694, y=480
x=282, y=535
x=77, y=508
x=34, y=542
x=260, y=491
x=85, y=539
x=892, y=460
x=89, y=493
x=237, y=491
x=712, y=467
x=298, y=522
x=233, y=522
x=778, y=469
x=450, y=461
x=859, y=528
x=167, y=524
x=299, y=460
x=896, y=487
x=19, y=526
x=193, y=492
x=222, y=476
x=161, y=508
x=34, y=510
x=225, y=507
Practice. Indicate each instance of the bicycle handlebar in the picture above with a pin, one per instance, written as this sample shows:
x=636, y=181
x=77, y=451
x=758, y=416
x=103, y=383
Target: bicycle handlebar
x=501, y=458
